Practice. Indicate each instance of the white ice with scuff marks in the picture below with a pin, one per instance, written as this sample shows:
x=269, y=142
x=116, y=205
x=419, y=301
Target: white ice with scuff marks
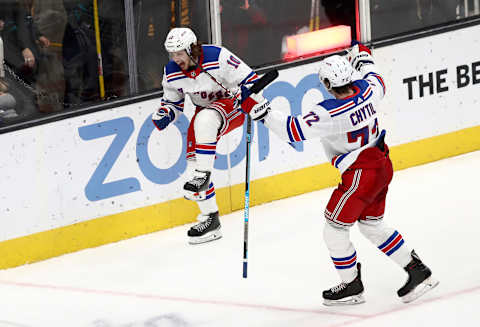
x=160, y=280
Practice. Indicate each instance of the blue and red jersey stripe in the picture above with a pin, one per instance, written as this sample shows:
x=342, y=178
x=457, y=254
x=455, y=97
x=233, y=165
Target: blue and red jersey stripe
x=379, y=78
x=294, y=130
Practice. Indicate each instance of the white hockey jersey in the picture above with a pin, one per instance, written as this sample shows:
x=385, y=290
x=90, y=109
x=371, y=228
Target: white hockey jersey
x=224, y=66
x=346, y=126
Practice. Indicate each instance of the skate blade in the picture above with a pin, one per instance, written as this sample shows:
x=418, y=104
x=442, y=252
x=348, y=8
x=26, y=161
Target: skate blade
x=350, y=300
x=208, y=237
x=427, y=285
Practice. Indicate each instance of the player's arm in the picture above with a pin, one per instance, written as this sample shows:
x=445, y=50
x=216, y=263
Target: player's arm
x=313, y=124
x=238, y=72
x=361, y=59
x=171, y=106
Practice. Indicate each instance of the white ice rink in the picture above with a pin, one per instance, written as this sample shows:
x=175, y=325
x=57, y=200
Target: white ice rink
x=160, y=280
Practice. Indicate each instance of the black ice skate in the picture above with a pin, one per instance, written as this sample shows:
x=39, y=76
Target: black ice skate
x=345, y=294
x=205, y=231
x=199, y=182
x=419, y=281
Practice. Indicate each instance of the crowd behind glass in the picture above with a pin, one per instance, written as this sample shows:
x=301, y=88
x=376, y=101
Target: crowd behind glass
x=61, y=55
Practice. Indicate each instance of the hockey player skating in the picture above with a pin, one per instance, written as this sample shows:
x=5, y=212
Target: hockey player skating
x=210, y=75
x=349, y=130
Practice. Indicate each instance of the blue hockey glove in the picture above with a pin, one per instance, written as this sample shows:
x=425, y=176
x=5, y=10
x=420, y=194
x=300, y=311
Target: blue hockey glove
x=162, y=117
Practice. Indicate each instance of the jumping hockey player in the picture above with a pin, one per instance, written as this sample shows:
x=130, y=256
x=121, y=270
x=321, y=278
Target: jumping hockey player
x=349, y=131
x=211, y=76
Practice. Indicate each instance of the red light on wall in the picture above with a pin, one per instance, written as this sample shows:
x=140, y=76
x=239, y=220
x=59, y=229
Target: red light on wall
x=318, y=41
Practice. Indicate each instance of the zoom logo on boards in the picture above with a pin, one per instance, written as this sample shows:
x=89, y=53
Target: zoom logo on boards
x=123, y=129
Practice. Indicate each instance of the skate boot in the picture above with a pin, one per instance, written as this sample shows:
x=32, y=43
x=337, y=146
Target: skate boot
x=205, y=231
x=419, y=281
x=198, y=184
x=345, y=293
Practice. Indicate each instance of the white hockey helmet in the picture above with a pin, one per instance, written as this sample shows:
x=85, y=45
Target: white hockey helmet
x=336, y=70
x=180, y=38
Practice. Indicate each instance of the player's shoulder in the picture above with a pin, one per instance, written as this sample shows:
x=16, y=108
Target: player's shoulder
x=361, y=84
x=328, y=105
x=335, y=107
x=172, y=67
x=211, y=52
x=173, y=72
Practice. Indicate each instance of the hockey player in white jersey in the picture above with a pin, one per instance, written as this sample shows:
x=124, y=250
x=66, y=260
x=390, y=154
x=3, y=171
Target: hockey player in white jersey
x=349, y=130
x=211, y=76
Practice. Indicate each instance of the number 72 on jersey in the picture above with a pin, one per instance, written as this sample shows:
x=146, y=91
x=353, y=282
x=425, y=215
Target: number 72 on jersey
x=353, y=136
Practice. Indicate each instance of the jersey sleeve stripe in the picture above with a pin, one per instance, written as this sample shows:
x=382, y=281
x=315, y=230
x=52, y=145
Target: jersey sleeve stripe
x=367, y=92
x=299, y=129
x=337, y=159
x=293, y=131
x=176, y=78
x=177, y=104
x=288, y=129
x=252, y=79
x=379, y=78
x=249, y=79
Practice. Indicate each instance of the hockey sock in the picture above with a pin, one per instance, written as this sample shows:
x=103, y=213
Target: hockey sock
x=387, y=240
x=341, y=251
x=208, y=205
x=205, y=155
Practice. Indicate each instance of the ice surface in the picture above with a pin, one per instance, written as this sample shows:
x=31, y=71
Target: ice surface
x=161, y=280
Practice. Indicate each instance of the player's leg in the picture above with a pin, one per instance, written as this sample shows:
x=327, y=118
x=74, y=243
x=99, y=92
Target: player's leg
x=209, y=125
x=205, y=126
x=344, y=257
x=208, y=228
x=391, y=242
x=345, y=205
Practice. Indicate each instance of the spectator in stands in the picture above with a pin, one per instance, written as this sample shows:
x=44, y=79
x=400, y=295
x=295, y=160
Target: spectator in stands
x=79, y=54
x=7, y=102
x=80, y=57
x=19, y=47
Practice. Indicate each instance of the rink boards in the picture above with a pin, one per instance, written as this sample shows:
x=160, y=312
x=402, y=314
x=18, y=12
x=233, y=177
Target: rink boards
x=106, y=176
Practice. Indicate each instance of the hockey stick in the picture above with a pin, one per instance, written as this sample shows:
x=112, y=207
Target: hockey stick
x=257, y=87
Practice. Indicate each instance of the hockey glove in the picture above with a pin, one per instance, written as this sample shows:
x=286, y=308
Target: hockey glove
x=258, y=108
x=359, y=56
x=162, y=117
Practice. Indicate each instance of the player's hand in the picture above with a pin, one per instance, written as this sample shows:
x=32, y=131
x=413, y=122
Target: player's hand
x=359, y=55
x=256, y=106
x=162, y=117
